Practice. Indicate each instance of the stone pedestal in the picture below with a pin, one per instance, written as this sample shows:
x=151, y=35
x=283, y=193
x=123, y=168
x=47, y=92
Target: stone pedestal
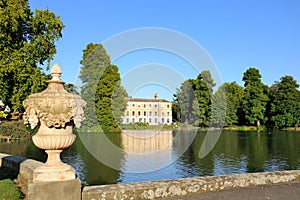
x=53, y=169
x=57, y=190
x=54, y=112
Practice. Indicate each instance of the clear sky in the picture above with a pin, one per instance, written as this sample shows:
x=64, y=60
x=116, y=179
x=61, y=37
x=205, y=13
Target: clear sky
x=264, y=34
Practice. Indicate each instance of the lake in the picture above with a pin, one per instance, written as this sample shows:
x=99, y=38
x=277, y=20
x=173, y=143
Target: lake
x=134, y=156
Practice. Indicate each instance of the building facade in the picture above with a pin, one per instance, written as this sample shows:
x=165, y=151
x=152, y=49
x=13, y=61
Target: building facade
x=153, y=111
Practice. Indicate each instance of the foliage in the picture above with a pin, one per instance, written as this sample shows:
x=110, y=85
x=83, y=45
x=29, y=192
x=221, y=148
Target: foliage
x=118, y=104
x=203, y=87
x=15, y=129
x=234, y=94
x=219, y=106
x=185, y=102
x=175, y=109
x=101, y=89
x=71, y=88
x=110, y=105
x=255, y=104
x=193, y=100
x=94, y=62
x=26, y=42
x=255, y=99
x=285, y=103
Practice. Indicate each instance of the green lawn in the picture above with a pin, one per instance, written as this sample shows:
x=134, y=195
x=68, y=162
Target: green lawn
x=8, y=190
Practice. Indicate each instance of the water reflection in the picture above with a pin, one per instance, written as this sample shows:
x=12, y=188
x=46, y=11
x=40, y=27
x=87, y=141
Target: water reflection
x=157, y=156
x=146, y=141
x=152, y=148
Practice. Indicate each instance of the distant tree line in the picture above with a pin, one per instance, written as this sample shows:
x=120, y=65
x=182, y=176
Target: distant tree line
x=254, y=104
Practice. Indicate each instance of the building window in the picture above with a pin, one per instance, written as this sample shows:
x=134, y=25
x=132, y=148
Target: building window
x=139, y=113
x=162, y=113
x=133, y=113
x=150, y=105
x=163, y=120
x=140, y=119
x=133, y=105
x=144, y=120
x=150, y=113
x=144, y=105
x=168, y=106
x=139, y=105
x=127, y=113
x=155, y=113
x=145, y=113
x=155, y=120
x=133, y=120
x=149, y=120
x=168, y=120
x=168, y=113
x=155, y=105
x=127, y=120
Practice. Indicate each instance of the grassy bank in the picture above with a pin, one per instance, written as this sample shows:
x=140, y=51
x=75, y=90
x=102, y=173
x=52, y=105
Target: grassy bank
x=146, y=126
x=244, y=128
x=261, y=128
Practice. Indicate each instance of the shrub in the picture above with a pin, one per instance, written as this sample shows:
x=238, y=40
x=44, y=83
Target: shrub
x=15, y=129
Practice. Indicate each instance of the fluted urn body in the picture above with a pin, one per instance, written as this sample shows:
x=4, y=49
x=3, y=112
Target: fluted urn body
x=54, y=112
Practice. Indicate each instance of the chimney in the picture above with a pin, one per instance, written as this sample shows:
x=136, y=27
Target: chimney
x=155, y=96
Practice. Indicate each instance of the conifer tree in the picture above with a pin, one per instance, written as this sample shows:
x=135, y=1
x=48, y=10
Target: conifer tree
x=101, y=89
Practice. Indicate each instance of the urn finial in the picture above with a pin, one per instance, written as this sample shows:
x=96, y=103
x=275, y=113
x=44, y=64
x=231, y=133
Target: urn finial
x=56, y=72
x=54, y=112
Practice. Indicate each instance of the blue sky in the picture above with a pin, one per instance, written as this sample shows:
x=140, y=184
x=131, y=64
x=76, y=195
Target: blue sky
x=236, y=35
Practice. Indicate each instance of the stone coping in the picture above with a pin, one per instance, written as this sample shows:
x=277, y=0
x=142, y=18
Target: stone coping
x=187, y=186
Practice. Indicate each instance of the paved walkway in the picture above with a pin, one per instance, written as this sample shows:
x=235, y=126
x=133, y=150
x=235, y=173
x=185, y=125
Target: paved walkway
x=289, y=191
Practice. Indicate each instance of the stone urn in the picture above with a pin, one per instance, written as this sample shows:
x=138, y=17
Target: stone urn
x=54, y=112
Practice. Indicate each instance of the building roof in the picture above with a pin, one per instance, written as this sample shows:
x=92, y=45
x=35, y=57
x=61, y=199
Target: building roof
x=146, y=100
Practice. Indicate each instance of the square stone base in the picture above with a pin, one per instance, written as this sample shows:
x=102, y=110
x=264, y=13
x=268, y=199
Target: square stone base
x=58, y=190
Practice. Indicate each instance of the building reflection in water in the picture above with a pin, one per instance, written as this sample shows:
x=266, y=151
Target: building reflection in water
x=147, y=150
x=146, y=141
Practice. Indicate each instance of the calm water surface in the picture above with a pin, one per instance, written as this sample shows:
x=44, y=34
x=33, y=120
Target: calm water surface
x=143, y=157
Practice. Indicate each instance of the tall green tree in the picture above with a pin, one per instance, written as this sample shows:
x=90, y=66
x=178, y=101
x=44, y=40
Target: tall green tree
x=255, y=99
x=194, y=97
x=203, y=87
x=219, y=105
x=185, y=103
x=285, y=107
x=118, y=104
x=110, y=99
x=94, y=62
x=234, y=94
x=176, y=113
x=101, y=89
x=27, y=42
